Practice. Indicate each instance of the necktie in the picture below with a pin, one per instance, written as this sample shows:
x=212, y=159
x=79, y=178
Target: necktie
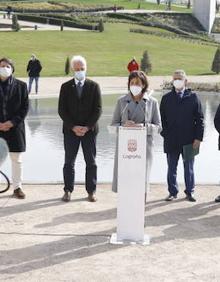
x=79, y=89
x=180, y=94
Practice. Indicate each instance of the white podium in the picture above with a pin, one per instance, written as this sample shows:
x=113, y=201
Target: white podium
x=131, y=186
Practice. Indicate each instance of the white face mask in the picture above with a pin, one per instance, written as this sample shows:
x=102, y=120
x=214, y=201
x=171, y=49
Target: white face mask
x=135, y=90
x=5, y=71
x=179, y=84
x=80, y=75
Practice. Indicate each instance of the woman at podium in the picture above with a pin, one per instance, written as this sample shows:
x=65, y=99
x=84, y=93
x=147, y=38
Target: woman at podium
x=137, y=108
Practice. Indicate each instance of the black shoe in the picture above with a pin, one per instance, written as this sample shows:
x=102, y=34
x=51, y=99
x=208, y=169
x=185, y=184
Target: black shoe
x=171, y=198
x=217, y=200
x=66, y=197
x=19, y=194
x=190, y=198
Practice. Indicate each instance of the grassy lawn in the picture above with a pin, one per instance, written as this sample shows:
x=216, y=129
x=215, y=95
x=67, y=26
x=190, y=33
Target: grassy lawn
x=107, y=53
x=127, y=4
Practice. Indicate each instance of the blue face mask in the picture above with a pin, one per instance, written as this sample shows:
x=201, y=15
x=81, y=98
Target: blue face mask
x=80, y=75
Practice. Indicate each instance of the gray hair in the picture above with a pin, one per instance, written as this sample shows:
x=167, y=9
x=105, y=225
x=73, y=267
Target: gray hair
x=78, y=59
x=181, y=73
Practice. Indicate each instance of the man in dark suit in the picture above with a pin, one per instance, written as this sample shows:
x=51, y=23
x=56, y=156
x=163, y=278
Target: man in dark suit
x=217, y=126
x=80, y=108
x=182, y=124
x=13, y=110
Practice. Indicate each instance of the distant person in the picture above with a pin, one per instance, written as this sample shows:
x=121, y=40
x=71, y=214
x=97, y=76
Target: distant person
x=33, y=69
x=80, y=108
x=182, y=124
x=135, y=108
x=13, y=110
x=9, y=11
x=115, y=8
x=133, y=65
x=217, y=126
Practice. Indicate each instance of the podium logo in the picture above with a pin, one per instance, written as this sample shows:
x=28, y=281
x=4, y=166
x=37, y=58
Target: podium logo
x=132, y=145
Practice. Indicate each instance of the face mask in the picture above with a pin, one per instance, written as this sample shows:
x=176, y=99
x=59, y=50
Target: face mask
x=80, y=75
x=179, y=84
x=135, y=90
x=5, y=71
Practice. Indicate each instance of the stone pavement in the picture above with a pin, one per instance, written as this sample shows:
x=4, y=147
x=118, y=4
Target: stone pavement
x=43, y=239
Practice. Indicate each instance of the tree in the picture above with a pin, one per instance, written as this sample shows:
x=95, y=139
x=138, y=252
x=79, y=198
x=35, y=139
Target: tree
x=216, y=62
x=67, y=66
x=189, y=4
x=15, y=25
x=169, y=5
x=146, y=65
x=61, y=25
x=158, y=2
x=101, y=25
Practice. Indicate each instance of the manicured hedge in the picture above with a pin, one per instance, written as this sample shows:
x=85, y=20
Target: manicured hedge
x=55, y=21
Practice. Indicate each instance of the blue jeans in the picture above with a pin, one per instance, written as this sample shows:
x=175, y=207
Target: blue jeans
x=31, y=79
x=172, y=161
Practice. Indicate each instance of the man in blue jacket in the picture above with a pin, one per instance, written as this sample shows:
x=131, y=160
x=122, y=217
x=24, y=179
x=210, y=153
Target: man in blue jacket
x=182, y=124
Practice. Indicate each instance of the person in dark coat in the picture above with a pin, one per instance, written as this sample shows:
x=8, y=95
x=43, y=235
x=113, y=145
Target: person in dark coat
x=217, y=126
x=13, y=110
x=182, y=124
x=33, y=69
x=80, y=108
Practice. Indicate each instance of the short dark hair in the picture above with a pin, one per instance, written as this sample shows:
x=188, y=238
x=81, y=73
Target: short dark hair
x=142, y=76
x=8, y=61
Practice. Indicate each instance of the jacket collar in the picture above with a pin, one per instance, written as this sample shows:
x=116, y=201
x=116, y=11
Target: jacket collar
x=187, y=92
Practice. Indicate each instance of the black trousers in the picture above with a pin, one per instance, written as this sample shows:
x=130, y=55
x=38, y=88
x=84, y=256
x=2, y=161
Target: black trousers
x=71, y=146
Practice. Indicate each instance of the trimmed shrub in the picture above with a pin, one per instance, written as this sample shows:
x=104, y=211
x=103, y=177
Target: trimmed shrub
x=146, y=65
x=15, y=25
x=101, y=25
x=67, y=66
x=216, y=62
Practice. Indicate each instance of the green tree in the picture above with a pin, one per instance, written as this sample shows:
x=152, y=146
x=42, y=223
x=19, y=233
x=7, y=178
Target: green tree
x=67, y=66
x=188, y=4
x=15, y=25
x=61, y=25
x=158, y=2
x=216, y=62
x=169, y=5
x=146, y=65
x=101, y=25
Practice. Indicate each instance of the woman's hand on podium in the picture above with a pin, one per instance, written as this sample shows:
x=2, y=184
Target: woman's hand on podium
x=131, y=123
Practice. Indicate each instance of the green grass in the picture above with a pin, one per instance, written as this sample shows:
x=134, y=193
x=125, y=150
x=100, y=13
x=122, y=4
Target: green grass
x=127, y=4
x=107, y=53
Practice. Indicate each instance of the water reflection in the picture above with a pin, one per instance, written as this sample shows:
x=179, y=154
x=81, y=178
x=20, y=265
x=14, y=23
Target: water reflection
x=43, y=160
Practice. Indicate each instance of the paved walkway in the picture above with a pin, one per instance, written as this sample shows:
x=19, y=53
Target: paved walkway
x=50, y=86
x=31, y=26
x=43, y=239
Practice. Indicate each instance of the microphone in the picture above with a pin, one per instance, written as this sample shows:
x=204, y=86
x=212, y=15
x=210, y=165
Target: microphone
x=123, y=111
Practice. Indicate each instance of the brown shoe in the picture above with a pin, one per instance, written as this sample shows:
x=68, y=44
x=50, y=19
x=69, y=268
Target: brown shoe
x=19, y=194
x=66, y=197
x=92, y=197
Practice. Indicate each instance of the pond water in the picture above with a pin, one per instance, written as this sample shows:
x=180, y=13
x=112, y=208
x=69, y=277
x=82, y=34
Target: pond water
x=43, y=160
